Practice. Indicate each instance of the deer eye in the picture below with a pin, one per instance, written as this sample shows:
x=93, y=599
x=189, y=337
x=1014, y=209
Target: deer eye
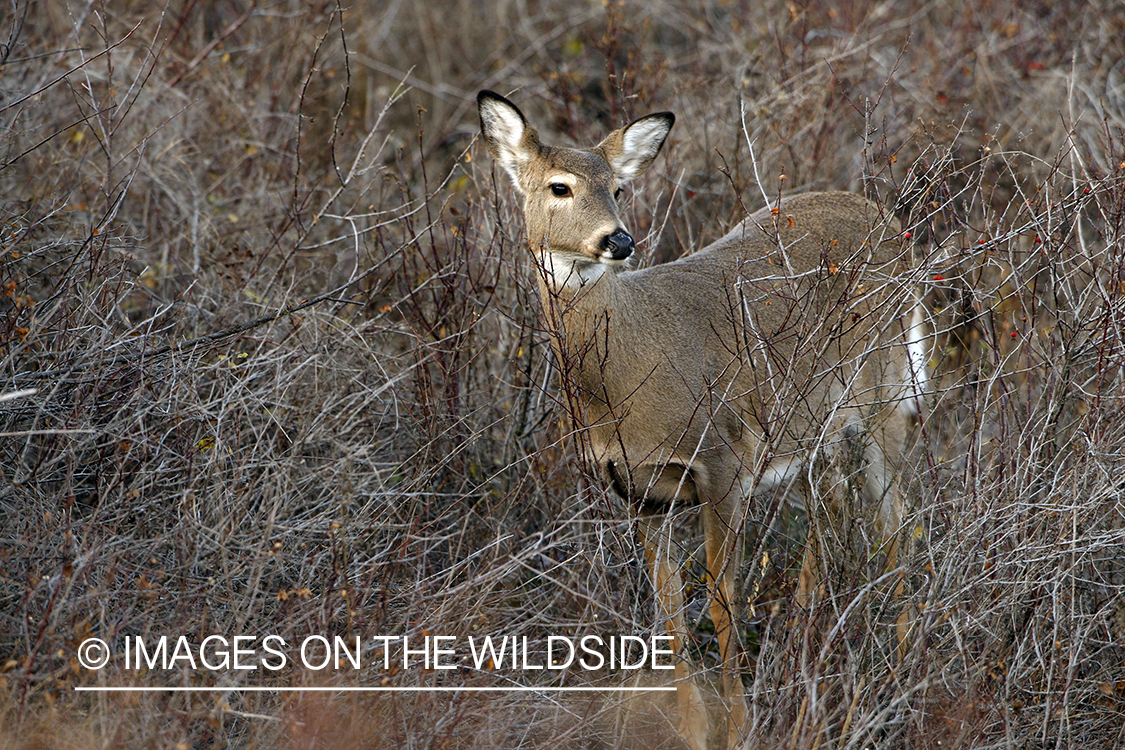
x=559, y=190
x=617, y=194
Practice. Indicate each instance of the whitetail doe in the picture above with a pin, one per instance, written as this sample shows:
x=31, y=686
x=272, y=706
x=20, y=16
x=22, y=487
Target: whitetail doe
x=793, y=342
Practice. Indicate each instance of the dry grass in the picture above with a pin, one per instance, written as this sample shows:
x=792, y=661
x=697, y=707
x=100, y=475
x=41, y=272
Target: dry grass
x=179, y=458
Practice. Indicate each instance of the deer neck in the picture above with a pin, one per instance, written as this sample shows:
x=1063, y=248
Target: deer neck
x=579, y=298
x=570, y=276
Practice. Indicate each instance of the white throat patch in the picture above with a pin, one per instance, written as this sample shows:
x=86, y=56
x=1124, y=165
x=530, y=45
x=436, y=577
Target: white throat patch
x=570, y=272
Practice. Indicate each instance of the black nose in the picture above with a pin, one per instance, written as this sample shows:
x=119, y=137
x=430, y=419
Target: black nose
x=618, y=245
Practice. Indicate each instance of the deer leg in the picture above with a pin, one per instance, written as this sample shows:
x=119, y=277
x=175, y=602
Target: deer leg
x=724, y=560
x=890, y=533
x=811, y=578
x=657, y=539
x=808, y=582
x=882, y=486
x=907, y=614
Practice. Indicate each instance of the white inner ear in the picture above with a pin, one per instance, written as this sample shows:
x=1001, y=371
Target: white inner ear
x=640, y=144
x=505, y=127
x=504, y=124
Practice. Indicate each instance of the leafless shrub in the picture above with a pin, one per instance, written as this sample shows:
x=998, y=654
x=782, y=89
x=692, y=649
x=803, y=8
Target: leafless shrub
x=184, y=451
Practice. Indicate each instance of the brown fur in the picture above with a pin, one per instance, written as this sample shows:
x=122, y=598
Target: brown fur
x=702, y=380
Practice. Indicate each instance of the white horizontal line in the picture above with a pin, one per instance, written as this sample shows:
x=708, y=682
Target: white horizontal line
x=320, y=689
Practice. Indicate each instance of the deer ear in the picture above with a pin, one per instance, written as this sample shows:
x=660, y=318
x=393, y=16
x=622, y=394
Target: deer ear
x=632, y=149
x=507, y=134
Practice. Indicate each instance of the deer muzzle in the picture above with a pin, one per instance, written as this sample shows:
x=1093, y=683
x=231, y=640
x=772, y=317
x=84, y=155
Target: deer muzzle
x=618, y=245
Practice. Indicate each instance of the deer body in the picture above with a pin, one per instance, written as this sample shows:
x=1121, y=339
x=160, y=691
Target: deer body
x=702, y=381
